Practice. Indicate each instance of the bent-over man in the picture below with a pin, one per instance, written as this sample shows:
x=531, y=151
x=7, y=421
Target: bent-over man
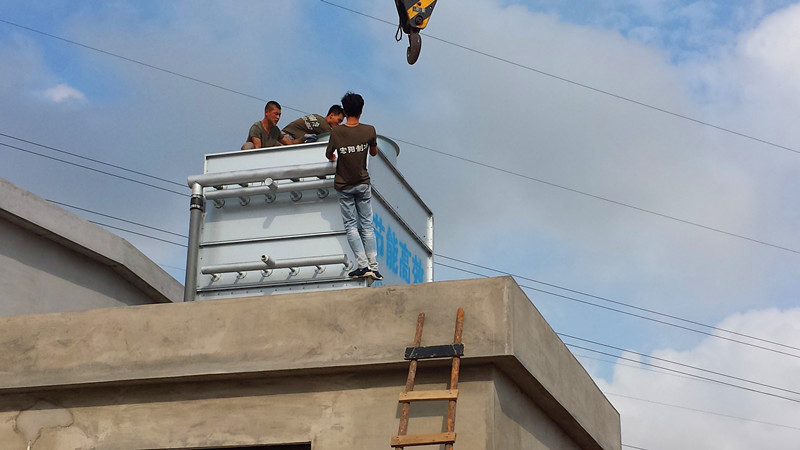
x=306, y=128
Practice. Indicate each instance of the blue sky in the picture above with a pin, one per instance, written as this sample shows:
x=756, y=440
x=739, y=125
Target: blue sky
x=730, y=64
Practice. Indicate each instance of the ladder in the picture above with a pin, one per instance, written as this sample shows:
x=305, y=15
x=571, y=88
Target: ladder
x=415, y=353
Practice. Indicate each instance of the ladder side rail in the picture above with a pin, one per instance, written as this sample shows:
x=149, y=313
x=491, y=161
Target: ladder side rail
x=405, y=409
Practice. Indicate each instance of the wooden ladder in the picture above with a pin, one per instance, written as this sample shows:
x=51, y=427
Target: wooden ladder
x=415, y=353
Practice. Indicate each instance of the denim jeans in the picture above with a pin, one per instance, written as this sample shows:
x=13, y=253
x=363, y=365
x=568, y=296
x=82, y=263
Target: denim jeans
x=356, y=205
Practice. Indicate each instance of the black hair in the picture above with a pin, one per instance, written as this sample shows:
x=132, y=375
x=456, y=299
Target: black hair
x=272, y=104
x=353, y=104
x=336, y=110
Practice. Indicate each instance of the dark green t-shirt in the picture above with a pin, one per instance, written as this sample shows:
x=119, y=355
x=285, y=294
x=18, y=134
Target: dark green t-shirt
x=310, y=124
x=351, y=145
x=270, y=139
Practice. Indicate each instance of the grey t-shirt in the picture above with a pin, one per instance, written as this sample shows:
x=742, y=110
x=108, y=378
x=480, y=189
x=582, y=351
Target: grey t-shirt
x=310, y=124
x=351, y=145
x=268, y=139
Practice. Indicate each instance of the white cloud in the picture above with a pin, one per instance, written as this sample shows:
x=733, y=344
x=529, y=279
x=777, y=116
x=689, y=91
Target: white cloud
x=656, y=426
x=63, y=93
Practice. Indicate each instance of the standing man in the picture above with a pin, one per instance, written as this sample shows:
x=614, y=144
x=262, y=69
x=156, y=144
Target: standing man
x=306, y=128
x=351, y=142
x=265, y=133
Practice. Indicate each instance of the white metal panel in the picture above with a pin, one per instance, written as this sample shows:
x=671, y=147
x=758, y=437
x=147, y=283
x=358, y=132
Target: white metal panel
x=311, y=227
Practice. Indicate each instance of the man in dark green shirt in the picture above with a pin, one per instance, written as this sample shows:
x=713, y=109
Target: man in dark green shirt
x=351, y=142
x=265, y=133
x=306, y=128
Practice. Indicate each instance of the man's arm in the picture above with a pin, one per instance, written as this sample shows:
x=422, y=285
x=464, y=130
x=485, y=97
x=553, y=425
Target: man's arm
x=373, y=143
x=287, y=140
x=329, y=152
x=256, y=142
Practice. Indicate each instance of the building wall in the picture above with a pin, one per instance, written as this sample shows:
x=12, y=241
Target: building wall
x=39, y=276
x=518, y=422
x=320, y=367
x=345, y=411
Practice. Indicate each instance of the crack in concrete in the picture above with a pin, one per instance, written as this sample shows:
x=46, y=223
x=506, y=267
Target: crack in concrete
x=31, y=422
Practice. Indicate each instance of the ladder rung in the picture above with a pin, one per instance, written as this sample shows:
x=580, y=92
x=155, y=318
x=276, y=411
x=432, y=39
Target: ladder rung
x=422, y=396
x=424, y=439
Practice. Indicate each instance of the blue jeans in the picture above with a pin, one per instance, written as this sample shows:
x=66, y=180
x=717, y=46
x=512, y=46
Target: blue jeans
x=356, y=205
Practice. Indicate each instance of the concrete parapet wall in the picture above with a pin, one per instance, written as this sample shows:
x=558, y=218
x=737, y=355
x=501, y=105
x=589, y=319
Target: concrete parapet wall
x=54, y=261
x=311, y=334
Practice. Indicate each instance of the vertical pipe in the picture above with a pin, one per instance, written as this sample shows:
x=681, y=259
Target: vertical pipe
x=196, y=210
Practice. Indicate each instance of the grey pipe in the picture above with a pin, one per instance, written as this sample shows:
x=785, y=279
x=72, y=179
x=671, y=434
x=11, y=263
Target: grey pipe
x=254, y=175
x=196, y=210
x=269, y=263
x=262, y=190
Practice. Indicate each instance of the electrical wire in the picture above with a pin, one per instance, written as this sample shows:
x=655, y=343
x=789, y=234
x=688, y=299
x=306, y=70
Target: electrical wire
x=183, y=194
x=736, y=386
x=701, y=411
x=631, y=314
x=644, y=369
x=571, y=337
x=506, y=171
x=688, y=366
x=150, y=66
x=575, y=83
x=117, y=218
x=482, y=275
x=92, y=160
x=605, y=199
x=137, y=233
x=620, y=303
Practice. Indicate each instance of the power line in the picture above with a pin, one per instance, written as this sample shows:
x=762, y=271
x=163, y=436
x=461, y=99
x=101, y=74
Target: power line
x=117, y=218
x=605, y=199
x=575, y=83
x=509, y=172
x=689, y=374
x=644, y=369
x=137, y=233
x=620, y=303
x=481, y=275
x=94, y=170
x=632, y=314
x=701, y=411
x=688, y=366
x=150, y=66
x=93, y=160
x=569, y=336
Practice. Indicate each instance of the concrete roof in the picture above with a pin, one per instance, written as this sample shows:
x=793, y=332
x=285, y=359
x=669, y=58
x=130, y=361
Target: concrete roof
x=52, y=222
x=314, y=332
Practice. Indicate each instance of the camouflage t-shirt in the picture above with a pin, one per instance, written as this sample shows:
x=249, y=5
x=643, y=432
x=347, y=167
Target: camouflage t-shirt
x=310, y=124
x=351, y=145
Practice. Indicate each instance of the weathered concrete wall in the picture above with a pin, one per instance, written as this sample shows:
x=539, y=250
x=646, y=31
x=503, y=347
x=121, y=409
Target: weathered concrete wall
x=55, y=261
x=518, y=422
x=332, y=335
x=41, y=276
x=333, y=412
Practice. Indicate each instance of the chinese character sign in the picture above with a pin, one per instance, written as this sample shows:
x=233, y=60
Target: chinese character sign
x=400, y=260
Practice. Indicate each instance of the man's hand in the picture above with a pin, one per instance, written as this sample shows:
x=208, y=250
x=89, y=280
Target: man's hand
x=331, y=157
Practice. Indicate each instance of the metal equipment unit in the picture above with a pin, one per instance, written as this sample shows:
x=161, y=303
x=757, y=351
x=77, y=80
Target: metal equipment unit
x=267, y=221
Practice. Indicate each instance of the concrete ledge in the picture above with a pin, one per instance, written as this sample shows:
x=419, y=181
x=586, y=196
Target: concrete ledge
x=352, y=330
x=39, y=216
